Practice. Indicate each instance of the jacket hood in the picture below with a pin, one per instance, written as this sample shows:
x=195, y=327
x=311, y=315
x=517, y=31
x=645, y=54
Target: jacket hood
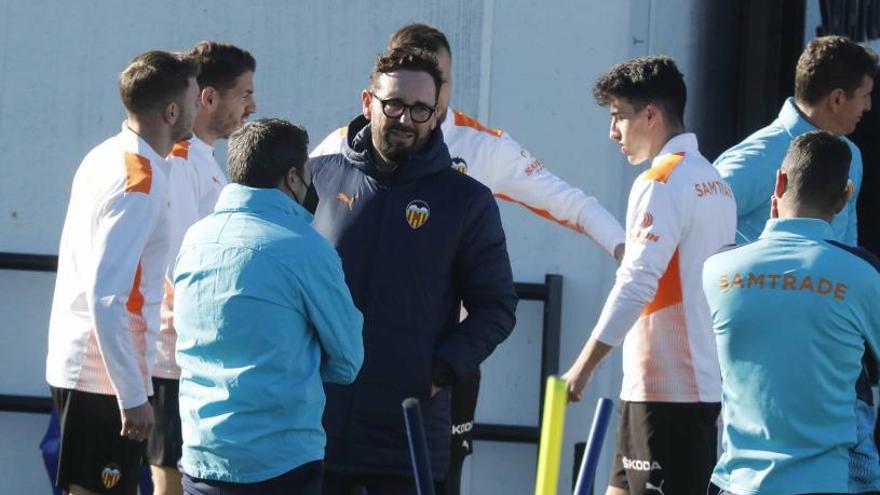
x=358, y=149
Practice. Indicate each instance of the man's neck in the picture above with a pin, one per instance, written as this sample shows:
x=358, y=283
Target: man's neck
x=384, y=165
x=661, y=142
x=202, y=129
x=815, y=116
x=155, y=136
x=795, y=211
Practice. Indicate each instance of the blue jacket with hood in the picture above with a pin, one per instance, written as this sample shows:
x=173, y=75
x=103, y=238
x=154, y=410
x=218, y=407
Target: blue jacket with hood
x=415, y=244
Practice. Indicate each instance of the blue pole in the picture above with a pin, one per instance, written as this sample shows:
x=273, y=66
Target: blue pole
x=418, y=447
x=587, y=474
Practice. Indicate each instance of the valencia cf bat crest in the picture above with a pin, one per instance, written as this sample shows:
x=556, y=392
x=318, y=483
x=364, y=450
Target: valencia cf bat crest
x=417, y=213
x=459, y=165
x=110, y=475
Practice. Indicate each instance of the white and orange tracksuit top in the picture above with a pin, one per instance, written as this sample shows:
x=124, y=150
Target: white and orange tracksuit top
x=195, y=182
x=680, y=212
x=113, y=254
x=493, y=158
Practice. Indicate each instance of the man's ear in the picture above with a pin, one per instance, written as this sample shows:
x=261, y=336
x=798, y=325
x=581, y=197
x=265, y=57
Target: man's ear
x=366, y=100
x=836, y=98
x=208, y=97
x=171, y=113
x=847, y=194
x=651, y=114
x=781, y=184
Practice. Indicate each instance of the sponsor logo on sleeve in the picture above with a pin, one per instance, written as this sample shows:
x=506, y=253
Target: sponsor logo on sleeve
x=641, y=231
x=536, y=167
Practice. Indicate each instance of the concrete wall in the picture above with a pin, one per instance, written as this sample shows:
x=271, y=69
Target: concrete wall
x=525, y=66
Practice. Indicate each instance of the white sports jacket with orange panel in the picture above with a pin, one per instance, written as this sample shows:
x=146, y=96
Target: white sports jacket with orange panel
x=113, y=254
x=680, y=212
x=194, y=186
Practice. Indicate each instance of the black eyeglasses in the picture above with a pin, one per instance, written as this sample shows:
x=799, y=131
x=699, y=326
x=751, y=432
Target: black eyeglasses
x=394, y=108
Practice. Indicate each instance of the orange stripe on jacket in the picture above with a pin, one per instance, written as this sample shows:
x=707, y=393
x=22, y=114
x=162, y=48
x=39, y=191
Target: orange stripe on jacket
x=135, y=304
x=138, y=174
x=544, y=213
x=661, y=172
x=463, y=120
x=669, y=288
x=181, y=150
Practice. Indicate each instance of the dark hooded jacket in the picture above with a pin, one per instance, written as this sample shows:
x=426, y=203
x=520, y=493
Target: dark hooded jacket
x=415, y=245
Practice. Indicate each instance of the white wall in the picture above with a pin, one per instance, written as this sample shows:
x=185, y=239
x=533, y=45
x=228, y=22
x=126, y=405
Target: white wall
x=525, y=66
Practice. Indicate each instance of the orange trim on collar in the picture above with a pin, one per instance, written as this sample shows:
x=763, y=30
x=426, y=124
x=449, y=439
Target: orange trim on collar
x=463, y=120
x=663, y=170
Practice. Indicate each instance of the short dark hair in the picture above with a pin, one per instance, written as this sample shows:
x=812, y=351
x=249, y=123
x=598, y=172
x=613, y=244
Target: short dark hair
x=655, y=80
x=222, y=63
x=832, y=62
x=817, y=166
x=420, y=36
x=261, y=152
x=155, y=78
x=407, y=58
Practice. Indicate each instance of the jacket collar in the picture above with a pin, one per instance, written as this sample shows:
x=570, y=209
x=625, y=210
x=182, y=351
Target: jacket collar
x=358, y=149
x=685, y=143
x=236, y=197
x=197, y=143
x=811, y=228
x=793, y=120
x=138, y=144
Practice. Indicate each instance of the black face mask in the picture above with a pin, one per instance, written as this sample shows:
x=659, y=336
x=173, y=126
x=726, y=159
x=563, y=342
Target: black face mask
x=310, y=202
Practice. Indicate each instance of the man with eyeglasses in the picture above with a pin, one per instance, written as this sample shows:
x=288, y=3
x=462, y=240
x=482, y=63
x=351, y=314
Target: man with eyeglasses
x=417, y=240
x=513, y=174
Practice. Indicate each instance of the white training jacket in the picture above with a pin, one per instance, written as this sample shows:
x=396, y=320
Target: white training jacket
x=195, y=182
x=493, y=158
x=113, y=254
x=679, y=213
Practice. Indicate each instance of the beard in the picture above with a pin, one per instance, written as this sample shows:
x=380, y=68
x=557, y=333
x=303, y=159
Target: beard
x=400, y=152
x=225, y=125
x=183, y=128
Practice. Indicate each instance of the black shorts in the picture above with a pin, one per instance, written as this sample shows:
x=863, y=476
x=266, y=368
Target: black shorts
x=302, y=480
x=93, y=454
x=463, y=406
x=665, y=448
x=165, y=445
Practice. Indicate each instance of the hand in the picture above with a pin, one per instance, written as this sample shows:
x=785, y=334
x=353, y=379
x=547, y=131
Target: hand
x=619, y=252
x=435, y=390
x=137, y=422
x=576, y=379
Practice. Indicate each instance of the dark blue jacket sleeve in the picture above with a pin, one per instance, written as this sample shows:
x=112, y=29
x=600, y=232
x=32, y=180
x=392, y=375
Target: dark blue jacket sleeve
x=484, y=280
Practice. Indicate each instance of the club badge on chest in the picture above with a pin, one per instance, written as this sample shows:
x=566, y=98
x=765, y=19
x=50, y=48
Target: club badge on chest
x=417, y=213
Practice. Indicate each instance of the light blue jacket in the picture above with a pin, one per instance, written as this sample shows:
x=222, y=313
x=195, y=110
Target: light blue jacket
x=750, y=169
x=793, y=314
x=263, y=315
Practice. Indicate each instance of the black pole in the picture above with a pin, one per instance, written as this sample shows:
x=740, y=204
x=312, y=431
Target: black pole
x=418, y=447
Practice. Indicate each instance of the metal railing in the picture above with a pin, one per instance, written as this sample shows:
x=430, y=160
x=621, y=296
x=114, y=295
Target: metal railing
x=550, y=293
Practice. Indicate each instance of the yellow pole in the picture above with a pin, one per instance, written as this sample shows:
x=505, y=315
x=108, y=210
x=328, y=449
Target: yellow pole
x=551, y=437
